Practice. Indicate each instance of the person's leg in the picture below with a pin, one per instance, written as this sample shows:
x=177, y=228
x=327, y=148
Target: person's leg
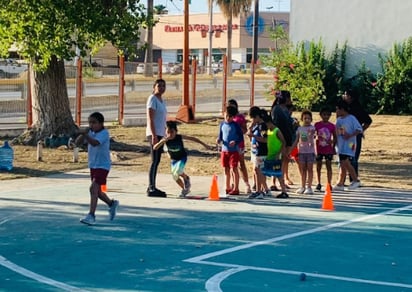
x=310, y=174
x=243, y=170
x=302, y=171
x=228, y=179
x=355, y=160
x=155, y=156
x=328, y=164
x=234, y=170
x=343, y=166
x=349, y=168
x=285, y=166
x=319, y=168
x=94, y=195
x=176, y=174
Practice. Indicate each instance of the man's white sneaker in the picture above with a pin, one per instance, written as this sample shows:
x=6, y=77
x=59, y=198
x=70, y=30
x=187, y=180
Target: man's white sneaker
x=308, y=191
x=338, y=188
x=354, y=185
x=88, y=220
x=300, y=190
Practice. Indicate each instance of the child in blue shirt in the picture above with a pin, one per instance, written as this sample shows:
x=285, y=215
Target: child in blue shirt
x=230, y=137
x=347, y=128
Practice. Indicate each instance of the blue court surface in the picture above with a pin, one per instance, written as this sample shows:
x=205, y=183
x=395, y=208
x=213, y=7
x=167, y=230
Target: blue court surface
x=173, y=244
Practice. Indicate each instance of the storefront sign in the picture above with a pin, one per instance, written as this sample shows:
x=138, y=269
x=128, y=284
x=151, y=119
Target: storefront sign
x=199, y=27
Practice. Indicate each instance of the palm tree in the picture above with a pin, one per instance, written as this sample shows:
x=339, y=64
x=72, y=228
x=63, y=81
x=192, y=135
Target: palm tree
x=160, y=9
x=230, y=9
x=148, y=71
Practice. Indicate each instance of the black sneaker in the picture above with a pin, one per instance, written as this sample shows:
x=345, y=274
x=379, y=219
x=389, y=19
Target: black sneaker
x=282, y=195
x=156, y=193
x=319, y=188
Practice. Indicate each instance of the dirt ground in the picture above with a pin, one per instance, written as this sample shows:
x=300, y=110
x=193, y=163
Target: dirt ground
x=386, y=159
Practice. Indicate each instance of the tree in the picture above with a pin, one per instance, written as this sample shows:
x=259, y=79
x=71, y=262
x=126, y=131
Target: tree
x=148, y=69
x=230, y=9
x=48, y=32
x=160, y=9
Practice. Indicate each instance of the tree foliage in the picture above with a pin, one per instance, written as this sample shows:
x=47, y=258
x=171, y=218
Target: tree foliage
x=233, y=8
x=230, y=9
x=300, y=71
x=48, y=32
x=394, y=86
x=46, y=28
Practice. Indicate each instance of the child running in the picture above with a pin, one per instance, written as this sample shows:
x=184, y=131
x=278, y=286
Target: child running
x=178, y=155
x=98, y=148
x=230, y=137
x=305, y=140
x=325, y=146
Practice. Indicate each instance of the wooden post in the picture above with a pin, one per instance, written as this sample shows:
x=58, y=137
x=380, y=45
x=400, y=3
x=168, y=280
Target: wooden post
x=29, y=101
x=224, y=97
x=121, y=90
x=79, y=84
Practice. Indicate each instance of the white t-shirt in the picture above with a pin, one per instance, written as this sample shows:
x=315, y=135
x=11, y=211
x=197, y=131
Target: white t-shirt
x=160, y=115
x=99, y=155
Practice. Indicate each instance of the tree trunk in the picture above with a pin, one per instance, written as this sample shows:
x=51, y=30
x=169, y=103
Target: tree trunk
x=51, y=107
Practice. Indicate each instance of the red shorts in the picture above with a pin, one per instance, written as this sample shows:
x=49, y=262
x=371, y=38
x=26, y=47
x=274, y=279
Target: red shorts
x=99, y=175
x=229, y=159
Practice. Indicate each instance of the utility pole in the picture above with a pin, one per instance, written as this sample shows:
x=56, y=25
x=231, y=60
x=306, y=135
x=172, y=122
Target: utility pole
x=185, y=112
x=255, y=52
x=210, y=55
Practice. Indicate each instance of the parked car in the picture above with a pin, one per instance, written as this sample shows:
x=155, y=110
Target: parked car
x=177, y=68
x=236, y=66
x=141, y=68
x=9, y=68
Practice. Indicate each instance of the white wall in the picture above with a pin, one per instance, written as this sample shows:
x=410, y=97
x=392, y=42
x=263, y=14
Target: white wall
x=369, y=26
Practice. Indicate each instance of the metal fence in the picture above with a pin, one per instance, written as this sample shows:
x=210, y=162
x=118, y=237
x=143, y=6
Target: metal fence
x=100, y=92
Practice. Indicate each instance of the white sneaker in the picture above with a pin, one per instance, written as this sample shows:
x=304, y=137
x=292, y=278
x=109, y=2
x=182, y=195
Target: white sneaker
x=113, y=209
x=354, y=185
x=308, y=191
x=300, y=190
x=338, y=188
x=88, y=220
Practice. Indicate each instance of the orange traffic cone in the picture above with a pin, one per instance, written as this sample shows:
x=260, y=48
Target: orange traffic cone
x=103, y=188
x=327, y=203
x=214, y=190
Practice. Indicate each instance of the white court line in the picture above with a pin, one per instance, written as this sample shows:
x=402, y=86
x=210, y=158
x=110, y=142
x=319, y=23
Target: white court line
x=214, y=282
x=29, y=274
x=39, y=278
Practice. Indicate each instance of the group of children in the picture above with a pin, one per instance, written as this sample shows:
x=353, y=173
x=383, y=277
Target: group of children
x=314, y=143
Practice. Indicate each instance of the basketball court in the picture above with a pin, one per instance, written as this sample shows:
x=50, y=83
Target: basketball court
x=157, y=244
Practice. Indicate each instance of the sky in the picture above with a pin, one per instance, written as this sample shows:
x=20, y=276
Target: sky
x=200, y=6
